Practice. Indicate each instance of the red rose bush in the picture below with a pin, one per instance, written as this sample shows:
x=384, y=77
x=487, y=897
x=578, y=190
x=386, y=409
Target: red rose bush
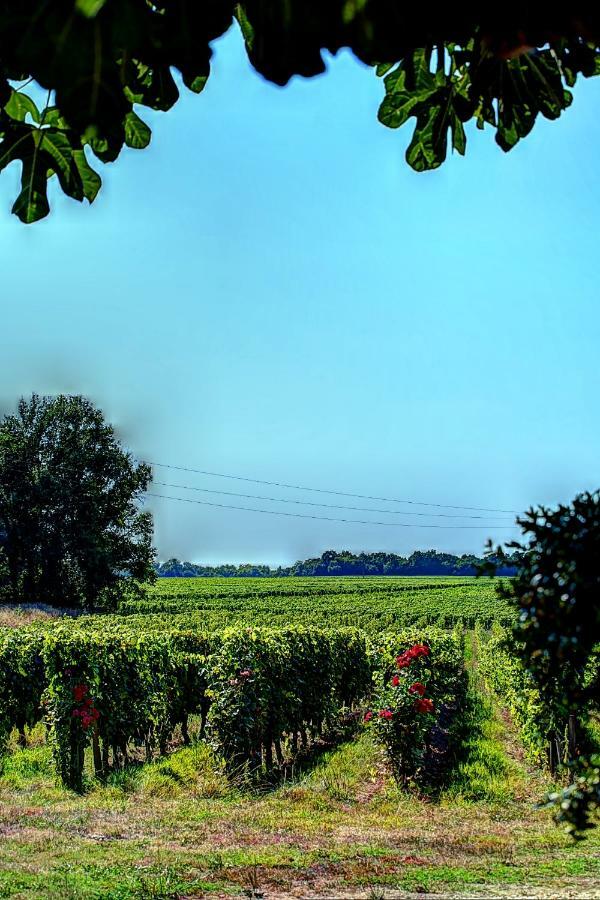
x=412, y=687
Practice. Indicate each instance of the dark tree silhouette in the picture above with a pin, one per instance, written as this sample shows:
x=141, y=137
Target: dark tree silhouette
x=557, y=595
x=71, y=532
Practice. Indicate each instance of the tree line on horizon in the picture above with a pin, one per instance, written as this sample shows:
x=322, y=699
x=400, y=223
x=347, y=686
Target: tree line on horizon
x=343, y=562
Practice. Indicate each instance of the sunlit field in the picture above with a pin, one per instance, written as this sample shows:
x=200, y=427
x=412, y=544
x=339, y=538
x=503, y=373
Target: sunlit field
x=153, y=793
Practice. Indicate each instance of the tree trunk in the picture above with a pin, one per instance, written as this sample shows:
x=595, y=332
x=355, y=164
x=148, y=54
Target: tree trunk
x=203, y=717
x=269, y=753
x=98, y=767
x=555, y=751
x=184, y=731
x=572, y=737
x=279, y=752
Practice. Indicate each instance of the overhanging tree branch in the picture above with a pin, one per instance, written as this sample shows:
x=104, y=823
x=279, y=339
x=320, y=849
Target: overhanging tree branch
x=505, y=65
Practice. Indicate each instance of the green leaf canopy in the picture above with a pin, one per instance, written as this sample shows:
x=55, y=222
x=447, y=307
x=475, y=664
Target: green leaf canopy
x=501, y=65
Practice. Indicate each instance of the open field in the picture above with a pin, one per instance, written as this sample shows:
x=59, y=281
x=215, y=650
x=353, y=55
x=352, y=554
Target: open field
x=329, y=820
x=365, y=602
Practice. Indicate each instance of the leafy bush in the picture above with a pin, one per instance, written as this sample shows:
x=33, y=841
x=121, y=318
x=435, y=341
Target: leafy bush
x=557, y=631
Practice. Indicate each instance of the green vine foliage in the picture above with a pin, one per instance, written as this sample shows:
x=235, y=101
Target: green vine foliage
x=271, y=684
x=142, y=687
x=115, y=692
x=372, y=604
x=22, y=681
x=118, y=691
x=100, y=61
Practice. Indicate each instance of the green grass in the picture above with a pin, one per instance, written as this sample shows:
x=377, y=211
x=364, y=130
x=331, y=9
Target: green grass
x=179, y=827
x=491, y=767
x=485, y=772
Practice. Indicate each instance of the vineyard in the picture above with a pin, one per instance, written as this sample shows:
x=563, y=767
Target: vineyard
x=368, y=603
x=247, y=683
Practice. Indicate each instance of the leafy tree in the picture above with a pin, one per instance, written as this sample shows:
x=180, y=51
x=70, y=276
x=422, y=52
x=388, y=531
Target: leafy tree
x=500, y=64
x=71, y=533
x=557, y=594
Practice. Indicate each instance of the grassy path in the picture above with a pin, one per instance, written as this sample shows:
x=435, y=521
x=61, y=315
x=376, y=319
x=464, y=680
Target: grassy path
x=494, y=769
x=177, y=828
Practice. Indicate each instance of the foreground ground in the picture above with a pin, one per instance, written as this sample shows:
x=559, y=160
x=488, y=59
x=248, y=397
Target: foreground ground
x=180, y=828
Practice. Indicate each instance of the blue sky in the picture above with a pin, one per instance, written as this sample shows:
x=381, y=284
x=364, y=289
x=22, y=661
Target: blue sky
x=270, y=291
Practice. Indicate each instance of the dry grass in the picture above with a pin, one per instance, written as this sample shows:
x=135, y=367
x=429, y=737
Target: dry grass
x=19, y=616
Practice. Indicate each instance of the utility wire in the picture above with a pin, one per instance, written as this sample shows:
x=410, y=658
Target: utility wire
x=390, y=512
x=298, y=487
x=272, y=512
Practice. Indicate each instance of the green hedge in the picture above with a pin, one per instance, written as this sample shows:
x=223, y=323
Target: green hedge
x=271, y=684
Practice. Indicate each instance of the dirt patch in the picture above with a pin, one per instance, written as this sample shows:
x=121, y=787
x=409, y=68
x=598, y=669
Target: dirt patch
x=319, y=885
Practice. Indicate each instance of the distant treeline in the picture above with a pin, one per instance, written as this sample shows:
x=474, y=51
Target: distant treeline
x=342, y=562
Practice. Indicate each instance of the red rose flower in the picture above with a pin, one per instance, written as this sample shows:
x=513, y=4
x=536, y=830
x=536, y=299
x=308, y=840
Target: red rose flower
x=385, y=714
x=368, y=716
x=419, y=650
x=417, y=688
x=424, y=705
x=396, y=680
x=79, y=692
x=403, y=660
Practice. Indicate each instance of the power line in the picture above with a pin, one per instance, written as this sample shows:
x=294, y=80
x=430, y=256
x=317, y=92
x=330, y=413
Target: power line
x=390, y=512
x=273, y=512
x=298, y=487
